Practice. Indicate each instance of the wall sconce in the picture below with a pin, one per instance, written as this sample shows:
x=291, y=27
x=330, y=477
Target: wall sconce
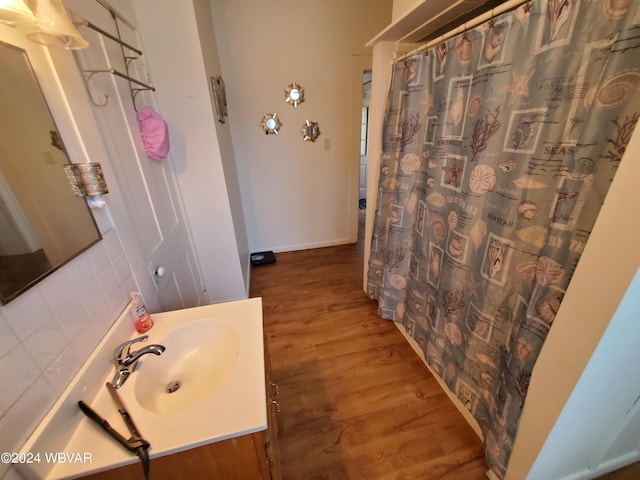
x=86, y=180
x=51, y=24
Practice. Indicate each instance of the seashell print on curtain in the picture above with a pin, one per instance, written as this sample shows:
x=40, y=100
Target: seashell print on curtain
x=499, y=148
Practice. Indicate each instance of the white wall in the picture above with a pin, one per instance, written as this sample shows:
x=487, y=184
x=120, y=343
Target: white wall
x=223, y=131
x=179, y=48
x=599, y=426
x=297, y=194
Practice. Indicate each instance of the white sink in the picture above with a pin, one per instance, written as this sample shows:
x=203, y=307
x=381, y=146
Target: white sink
x=199, y=357
x=216, y=354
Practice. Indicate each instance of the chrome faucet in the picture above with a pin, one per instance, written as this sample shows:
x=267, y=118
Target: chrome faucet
x=126, y=362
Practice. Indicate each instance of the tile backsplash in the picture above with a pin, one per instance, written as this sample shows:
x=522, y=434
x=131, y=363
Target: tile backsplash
x=48, y=332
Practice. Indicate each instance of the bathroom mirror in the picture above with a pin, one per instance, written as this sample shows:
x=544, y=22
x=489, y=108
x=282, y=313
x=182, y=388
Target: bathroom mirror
x=294, y=94
x=270, y=123
x=310, y=131
x=42, y=223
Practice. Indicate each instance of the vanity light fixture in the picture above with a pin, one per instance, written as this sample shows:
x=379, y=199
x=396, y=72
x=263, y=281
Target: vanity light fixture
x=294, y=94
x=47, y=21
x=310, y=131
x=270, y=123
x=55, y=28
x=16, y=13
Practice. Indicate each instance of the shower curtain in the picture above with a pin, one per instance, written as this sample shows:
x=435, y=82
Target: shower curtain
x=499, y=146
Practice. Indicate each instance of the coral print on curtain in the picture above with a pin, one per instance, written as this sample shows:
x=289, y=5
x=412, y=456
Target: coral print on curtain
x=499, y=148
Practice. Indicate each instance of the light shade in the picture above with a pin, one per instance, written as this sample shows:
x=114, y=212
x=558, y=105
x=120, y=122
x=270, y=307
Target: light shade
x=54, y=26
x=16, y=13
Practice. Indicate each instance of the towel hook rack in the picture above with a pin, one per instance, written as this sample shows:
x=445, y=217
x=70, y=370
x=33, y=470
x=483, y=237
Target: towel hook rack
x=88, y=74
x=113, y=71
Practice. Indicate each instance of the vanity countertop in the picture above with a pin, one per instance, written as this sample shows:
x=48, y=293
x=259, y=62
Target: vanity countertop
x=236, y=407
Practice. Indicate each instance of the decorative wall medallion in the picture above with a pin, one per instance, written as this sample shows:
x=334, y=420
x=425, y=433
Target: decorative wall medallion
x=294, y=94
x=310, y=131
x=270, y=123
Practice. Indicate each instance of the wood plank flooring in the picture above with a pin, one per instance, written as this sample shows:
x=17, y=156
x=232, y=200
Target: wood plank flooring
x=355, y=400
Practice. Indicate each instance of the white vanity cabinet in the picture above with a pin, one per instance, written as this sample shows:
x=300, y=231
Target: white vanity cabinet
x=253, y=456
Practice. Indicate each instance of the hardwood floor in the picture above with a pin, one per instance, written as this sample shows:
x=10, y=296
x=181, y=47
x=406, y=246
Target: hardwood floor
x=356, y=402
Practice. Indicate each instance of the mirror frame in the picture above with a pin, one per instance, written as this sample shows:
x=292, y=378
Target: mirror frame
x=310, y=131
x=294, y=94
x=267, y=119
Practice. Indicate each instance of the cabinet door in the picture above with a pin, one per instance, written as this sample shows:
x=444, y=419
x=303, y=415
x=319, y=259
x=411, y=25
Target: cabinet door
x=233, y=459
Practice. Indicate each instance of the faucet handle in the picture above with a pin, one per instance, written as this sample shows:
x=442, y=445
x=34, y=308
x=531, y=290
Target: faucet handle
x=122, y=350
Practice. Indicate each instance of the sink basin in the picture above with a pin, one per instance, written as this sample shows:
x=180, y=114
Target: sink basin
x=200, y=356
x=213, y=366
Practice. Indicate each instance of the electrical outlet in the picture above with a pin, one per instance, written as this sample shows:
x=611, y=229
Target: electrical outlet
x=327, y=144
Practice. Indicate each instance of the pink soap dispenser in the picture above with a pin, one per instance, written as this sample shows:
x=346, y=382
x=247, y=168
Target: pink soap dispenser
x=141, y=316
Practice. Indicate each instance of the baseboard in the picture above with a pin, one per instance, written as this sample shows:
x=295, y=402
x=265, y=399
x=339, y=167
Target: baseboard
x=605, y=467
x=305, y=246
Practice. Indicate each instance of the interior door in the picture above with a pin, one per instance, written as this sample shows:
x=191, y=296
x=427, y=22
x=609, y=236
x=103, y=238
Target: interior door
x=148, y=186
x=16, y=235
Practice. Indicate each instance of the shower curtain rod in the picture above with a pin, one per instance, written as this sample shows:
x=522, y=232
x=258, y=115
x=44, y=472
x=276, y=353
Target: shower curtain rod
x=480, y=19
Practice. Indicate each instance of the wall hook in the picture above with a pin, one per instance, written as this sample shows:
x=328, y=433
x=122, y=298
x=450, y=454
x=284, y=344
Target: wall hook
x=87, y=76
x=134, y=91
x=128, y=59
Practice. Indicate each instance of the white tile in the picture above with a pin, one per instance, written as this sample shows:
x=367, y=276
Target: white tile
x=26, y=414
x=64, y=301
x=103, y=218
x=27, y=312
x=112, y=244
x=54, y=286
x=103, y=319
x=80, y=270
x=92, y=296
x=46, y=342
x=117, y=302
x=19, y=371
x=129, y=285
x=85, y=342
x=122, y=267
x=108, y=280
x=8, y=339
x=63, y=368
x=98, y=257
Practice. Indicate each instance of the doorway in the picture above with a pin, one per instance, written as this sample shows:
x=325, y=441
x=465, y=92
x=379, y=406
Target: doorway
x=364, y=135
